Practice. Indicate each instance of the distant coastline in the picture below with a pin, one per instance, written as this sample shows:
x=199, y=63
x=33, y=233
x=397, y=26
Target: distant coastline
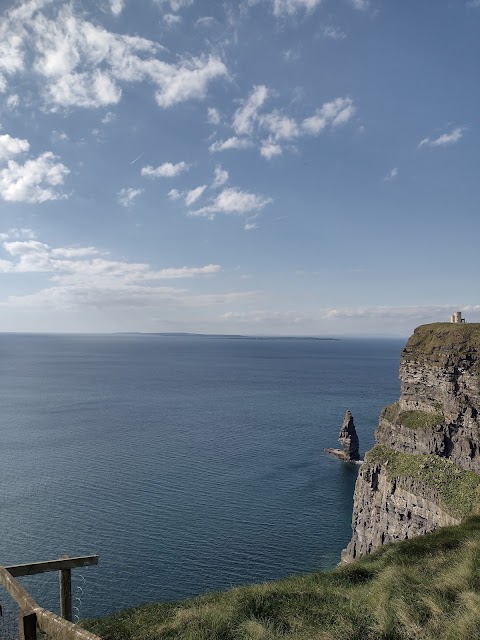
x=217, y=335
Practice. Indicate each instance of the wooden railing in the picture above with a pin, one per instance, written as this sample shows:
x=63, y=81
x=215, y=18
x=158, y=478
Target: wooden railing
x=31, y=615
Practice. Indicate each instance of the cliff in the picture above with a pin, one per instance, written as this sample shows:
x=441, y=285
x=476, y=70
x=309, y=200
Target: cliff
x=424, y=471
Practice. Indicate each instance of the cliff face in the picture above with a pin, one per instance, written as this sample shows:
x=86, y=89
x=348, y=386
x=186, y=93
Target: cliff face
x=427, y=444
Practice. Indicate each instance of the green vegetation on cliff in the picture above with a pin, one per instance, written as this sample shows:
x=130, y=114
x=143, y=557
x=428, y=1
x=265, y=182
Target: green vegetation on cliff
x=413, y=419
x=420, y=589
x=458, y=491
x=441, y=340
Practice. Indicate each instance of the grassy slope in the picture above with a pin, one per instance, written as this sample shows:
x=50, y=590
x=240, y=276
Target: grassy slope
x=425, y=588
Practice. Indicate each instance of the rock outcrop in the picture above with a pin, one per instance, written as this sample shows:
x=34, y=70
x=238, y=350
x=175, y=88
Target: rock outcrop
x=348, y=438
x=424, y=471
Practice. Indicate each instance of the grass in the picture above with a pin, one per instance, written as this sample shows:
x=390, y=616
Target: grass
x=420, y=589
x=458, y=491
x=438, y=341
x=413, y=419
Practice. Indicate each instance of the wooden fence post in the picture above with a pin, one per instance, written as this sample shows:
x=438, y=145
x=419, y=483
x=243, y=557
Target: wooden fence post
x=66, y=594
x=27, y=625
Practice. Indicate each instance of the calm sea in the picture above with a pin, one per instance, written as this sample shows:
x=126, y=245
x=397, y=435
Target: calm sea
x=189, y=464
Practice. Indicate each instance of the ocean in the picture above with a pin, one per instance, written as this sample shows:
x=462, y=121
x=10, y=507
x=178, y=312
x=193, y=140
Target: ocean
x=189, y=464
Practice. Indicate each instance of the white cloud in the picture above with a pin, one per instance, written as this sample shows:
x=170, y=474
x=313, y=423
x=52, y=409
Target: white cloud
x=74, y=252
x=95, y=89
x=251, y=124
x=270, y=149
x=166, y=170
x=33, y=181
x=445, y=139
x=188, y=81
x=12, y=146
x=391, y=175
x=117, y=6
x=333, y=33
x=205, y=21
x=221, y=177
x=250, y=226
x=230, y=143
x=233, y=201
x=361, y=5
x=281, y=127
x=473, y=4
x=333, y=114
x=245, y=117
x=127, y=196
x=171, y=19
x=174, y=194
x=213, y=116
x=13, y=101
x=175, y=5
x=17, y=233
x=108, y=117
x=194, y=194
x=290, y=7
x=82, y=279
x=80, y=64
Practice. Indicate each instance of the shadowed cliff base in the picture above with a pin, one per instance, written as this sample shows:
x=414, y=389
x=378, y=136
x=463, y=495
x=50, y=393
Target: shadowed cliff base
x=426, y=588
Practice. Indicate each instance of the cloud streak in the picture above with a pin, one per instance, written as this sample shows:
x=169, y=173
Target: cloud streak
x=444, y=140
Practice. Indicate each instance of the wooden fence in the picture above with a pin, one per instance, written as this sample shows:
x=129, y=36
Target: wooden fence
x=31, y=615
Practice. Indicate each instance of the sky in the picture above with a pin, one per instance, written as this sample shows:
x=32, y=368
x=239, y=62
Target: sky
x=278, y=167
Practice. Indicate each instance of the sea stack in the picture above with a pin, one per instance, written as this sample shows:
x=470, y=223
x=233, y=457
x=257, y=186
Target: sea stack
x=348, y=439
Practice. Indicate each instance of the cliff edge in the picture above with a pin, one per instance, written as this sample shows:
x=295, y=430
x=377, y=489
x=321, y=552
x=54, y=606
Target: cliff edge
x=424, y=471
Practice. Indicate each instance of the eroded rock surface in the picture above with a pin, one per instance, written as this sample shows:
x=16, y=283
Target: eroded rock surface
x=348, y=438
x=437, y=413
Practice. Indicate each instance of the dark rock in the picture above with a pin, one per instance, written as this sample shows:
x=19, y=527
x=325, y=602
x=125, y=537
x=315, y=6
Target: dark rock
x=349, y=440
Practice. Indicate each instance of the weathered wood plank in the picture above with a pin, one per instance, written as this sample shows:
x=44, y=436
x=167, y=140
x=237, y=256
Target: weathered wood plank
x=66, y=594
x=15, y=589
x=59, y=629
x=27, y=625
x=32, y=568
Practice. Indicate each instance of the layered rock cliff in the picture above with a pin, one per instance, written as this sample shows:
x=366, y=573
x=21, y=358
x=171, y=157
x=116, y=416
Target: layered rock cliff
x=424, y=471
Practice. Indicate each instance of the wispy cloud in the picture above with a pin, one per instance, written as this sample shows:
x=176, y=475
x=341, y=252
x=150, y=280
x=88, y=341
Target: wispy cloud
x=282, y=8
x=391, y=175
x=81, y=279
x=361, y=5
x=232, y=201
x=245, y=117
x=194, y=194
x=213, y=116
x=231, y=143
x=445, y=139
x=221, y=177
x=80, y=64
x=251, y=123
x=117, y=6
x=127, y=196
x=334, y=114
x=166, y=170
x=333, y=33
x=172, y=19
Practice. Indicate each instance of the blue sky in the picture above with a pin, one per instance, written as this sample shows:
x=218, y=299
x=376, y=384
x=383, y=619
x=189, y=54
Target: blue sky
x=266, y=166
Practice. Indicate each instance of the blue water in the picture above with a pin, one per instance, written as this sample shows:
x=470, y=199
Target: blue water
x=188, y=464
